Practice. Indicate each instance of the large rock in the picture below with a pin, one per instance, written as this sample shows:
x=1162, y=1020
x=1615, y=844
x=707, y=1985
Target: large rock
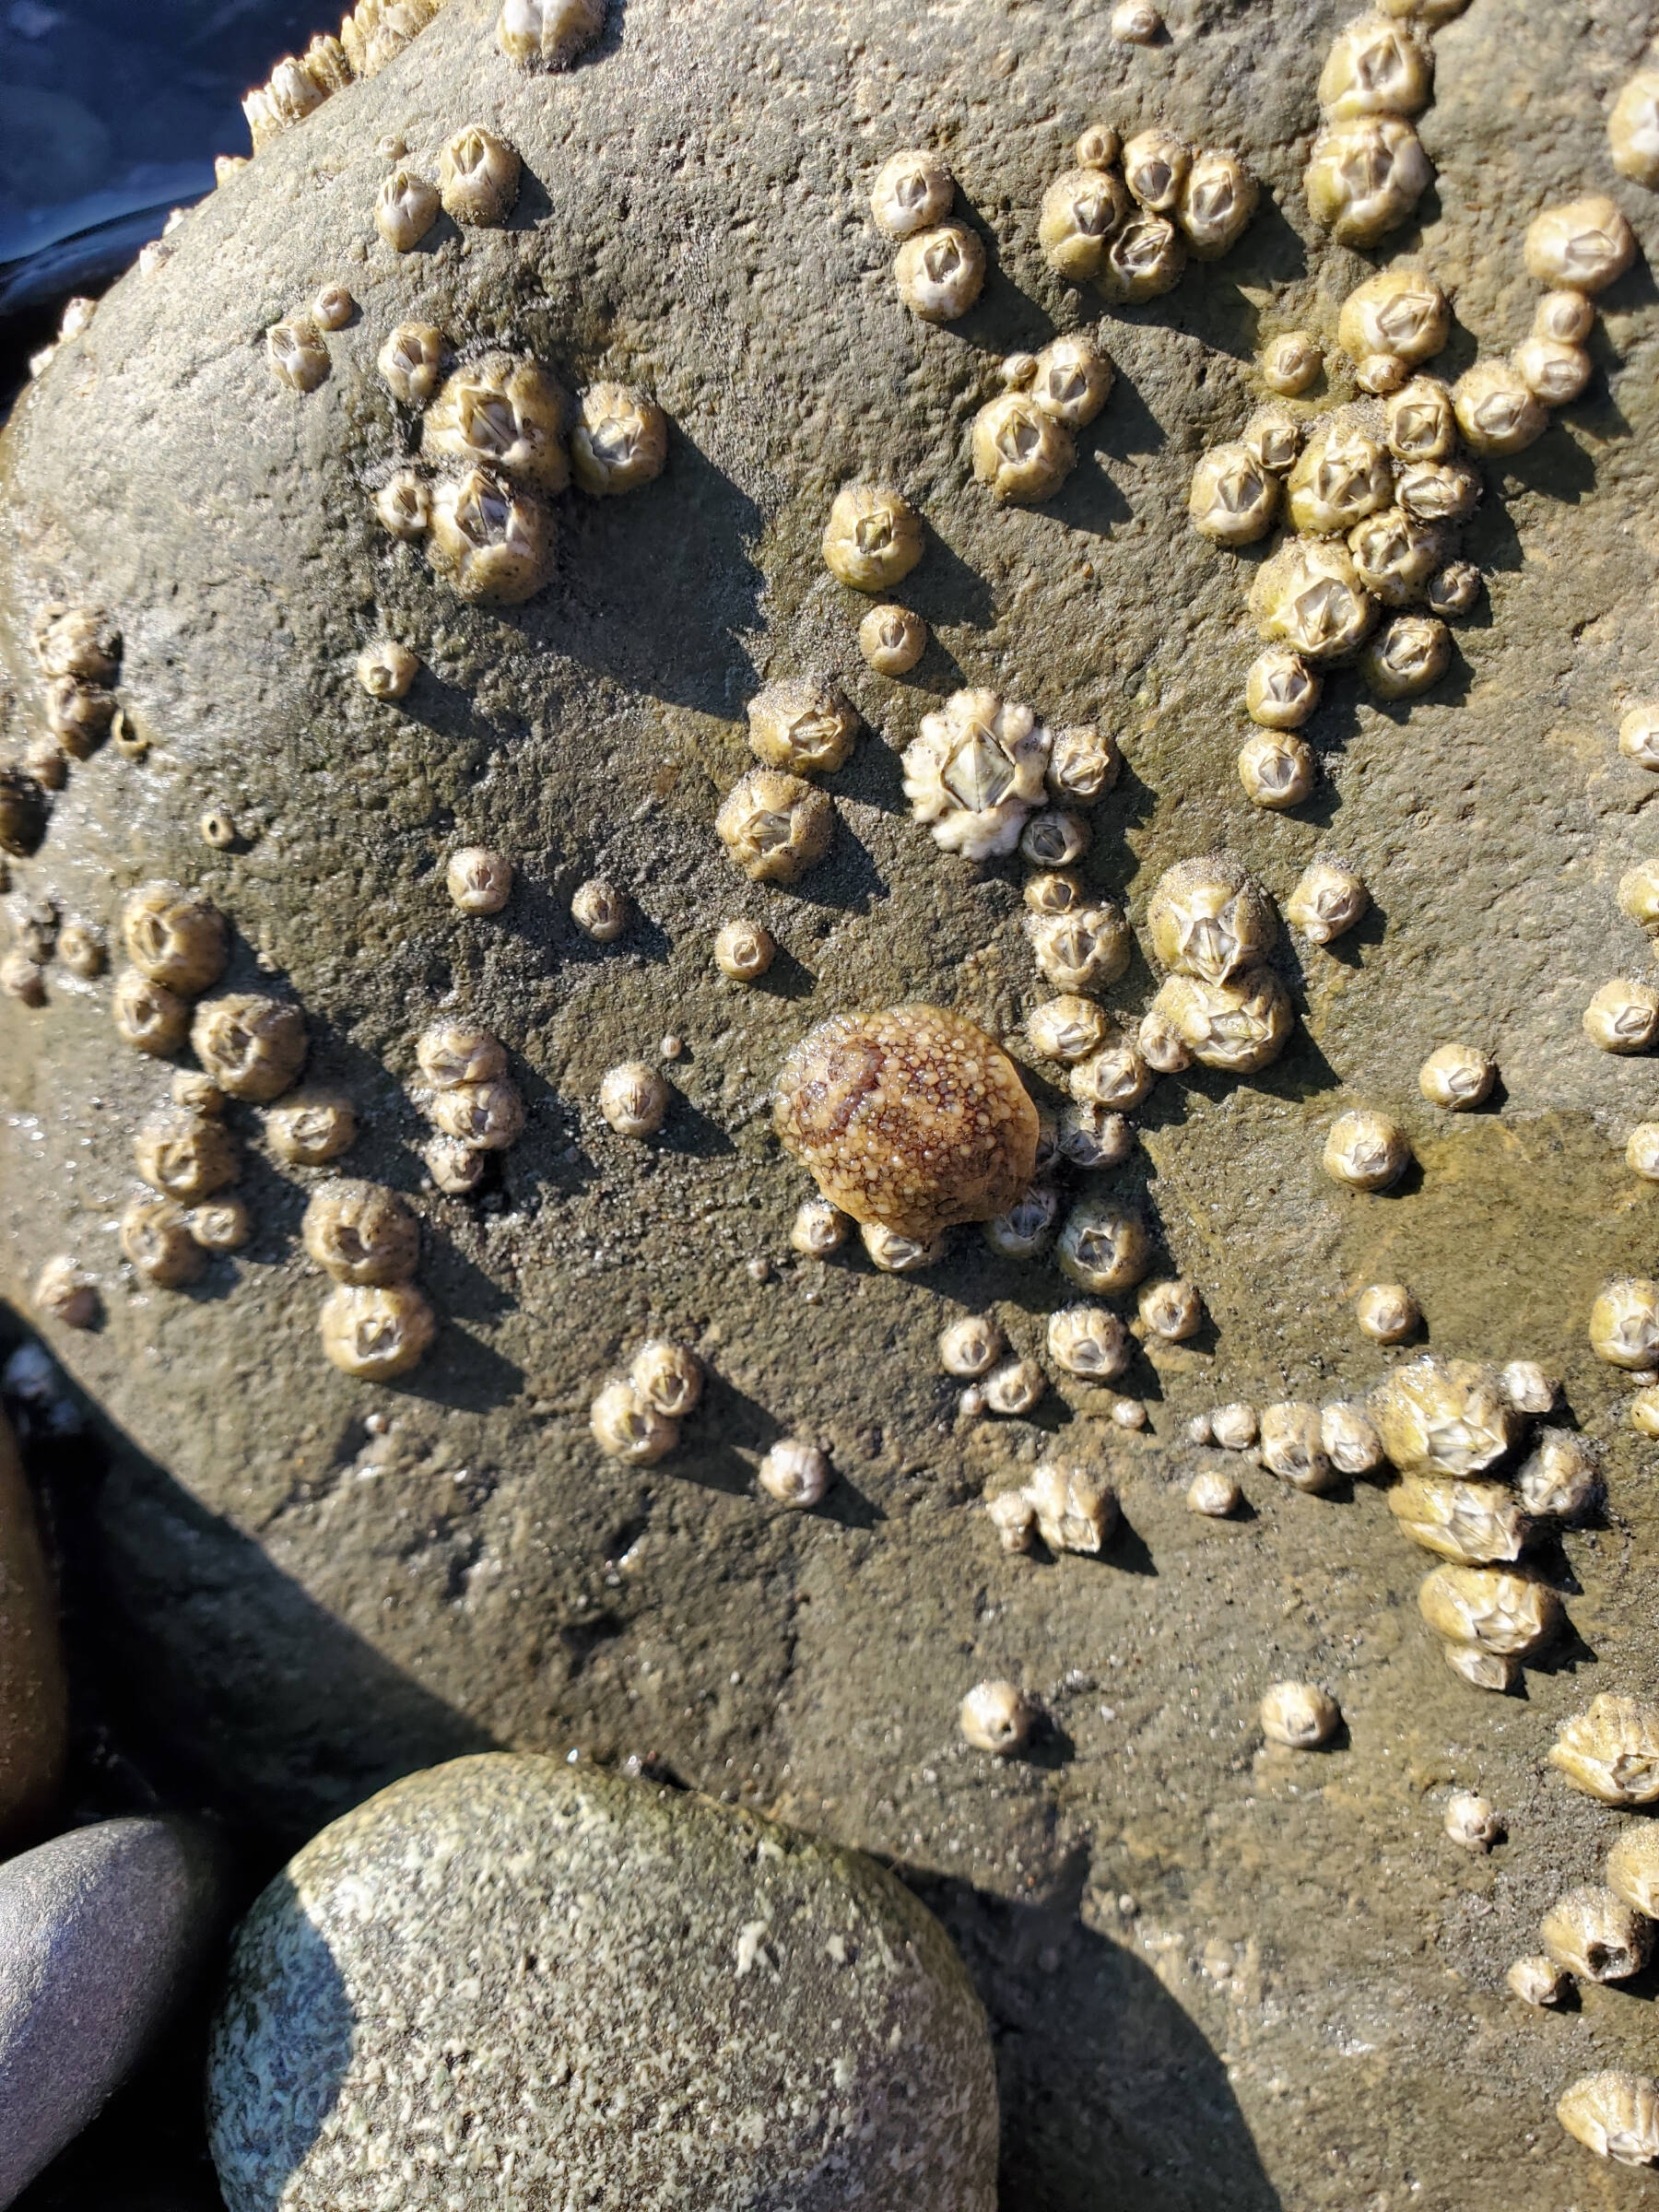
x=515, y=1982
x=33, y=1705
x=101, y=1932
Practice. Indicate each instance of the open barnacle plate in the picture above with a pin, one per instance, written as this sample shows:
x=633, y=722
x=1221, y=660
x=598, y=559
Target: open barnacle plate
x=691, y=416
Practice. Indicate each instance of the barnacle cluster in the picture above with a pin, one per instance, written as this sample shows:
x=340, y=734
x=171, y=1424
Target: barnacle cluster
x=1368, y=169
x=939, y=268
x=981, y=764
x=369, y=36
x=1128, y=212
x=375, y=1323
x=1071, y=1508
x=473, y=1103
x=636, y=1417
x=1022, y=441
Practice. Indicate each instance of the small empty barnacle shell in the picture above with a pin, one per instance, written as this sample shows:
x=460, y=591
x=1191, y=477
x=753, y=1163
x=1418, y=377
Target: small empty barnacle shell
x=1457, y=1077
x=1437, y=491
x=818, y=1228
x=1218, y=199
x=744, y=950
x=1342, y=475
x=1473, y=1522
x=795, y=1473
x=360, y=1232
x=1614, y=2114
x=669, y=1376
x=1081, y=211
x=774, y=826
x=1633, y=1868
x=600, y=911
x=1025, y=1229
x=1375, y=67
x=1308, y=595
x=896, y=1254
x=913, y=191
x=23, y=813
x=1233, y=497
x=1554, y=373
x=1210, y=918
x=1071, y=380
x=488, y=541
x=297, y=357
x=547, y=34
x=504, y=415
x=1172, y=1309
x=1239, y=1027
x=310, y=1127
x=147, y=1013
x=386, y=669
x=995, y=1716
x=1144, y=259
x=1538, y=1981
x=1103, y=1248
x=633, y=1097
x=805, y=724
x=1453, y=590
x=1528, y=1388
x=1290, y=362
x=155, y=1236
x=1088, y=1341
x=1278, y=770
x=184, y=1155
x=1054, y=838
x=253, y=1047
x=1395, y=555
x=872, y=539
x=1420, y=422
x=1214, y=1493
x=1365, y=1150
x=404, y=504
x=1365, y=177
x=971, y=1346
x=1154, y=167
x=1328, y=901
x=1116, y=1077
x=376, y=1332
x=1472, y=1821
x=1611, y=1751
x=1586, y=244
x=619, y=440
x=454, y=1053
x=79, y=641
x=478, y=880
x=1399, y=312
x=1293, y=1446
x=1596, y=1935
x=1281, y=692
x=893, y=639
x=975, y=771
x=477, y=176
x=1351, y=1439
x=1561, y=1480
x=1490, y=1610
x=1623, y=1016
x=68, y=1294
x=1014, y=1388
x=1495, y=412
x=1443, y=1416
x=175, y=936
x=1067, y=1028
x=1021, y=452
x=1083, y=949
x=940, y=272
x=455, y=1166
x=1076, y=1509
x=411, y=361
x=1299, y=1716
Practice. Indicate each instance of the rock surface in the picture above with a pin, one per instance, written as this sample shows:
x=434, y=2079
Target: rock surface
x=33, y=1712
x=101, y=1932
x=304, y=1607
x=540, y=1985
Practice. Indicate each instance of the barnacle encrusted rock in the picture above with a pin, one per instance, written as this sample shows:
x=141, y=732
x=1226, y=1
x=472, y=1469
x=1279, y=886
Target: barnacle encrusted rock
x=910, y=1119
x=494, y=1930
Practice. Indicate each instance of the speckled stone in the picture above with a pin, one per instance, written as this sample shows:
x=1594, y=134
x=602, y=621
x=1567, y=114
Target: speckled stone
x=33, y=1714
x=101, y=1932
x=510, y=1981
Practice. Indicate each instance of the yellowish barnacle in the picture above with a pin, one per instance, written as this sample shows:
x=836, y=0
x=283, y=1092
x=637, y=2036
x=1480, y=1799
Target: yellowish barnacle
x=1274, y=437
x=1453, y=591
x=1082, y=210
x=1633, y=128
x=1538, y=1981
x=1341, y=476
x=1083, y=764
x=940, y=272
x=1565, y=318
x=1233, y=497
x=175, y=936
x=1395, y=556
x=1472, y=1821
x=453, y=1053
x=795, y=1473
x=1473, y=1522
x=744, y=950
x=818, y=1228
x=1290, y=362
x=1154, y=167
x=547, y=34
x=1276, y=769
x=68, y=1293
x=1437, y=491
x=872, y=539
x=1633, y=1868
x=892, y=639
x=1611, y=1751
x=1379, y=373
x=489, y=541
x=1116, y=1075
x=1218, y=199
x=996, y=1717
x=1293, y=1446
x=1281, y=692
x=1375, y=66
x=79, y=641
x=1365, y=177
x=1495, y=412
x=1072, y=380
x=1015, y=1388
x=297, y=357
x=1400, y=313
x=404, y=209
x=1210, y=918
x=477, y=176
x=1420, y=422
x=1054, y=838
x=504, y=414
x=913, y=191
x=310, y=1127
x=1639, y=737
x=360, y=1232
x=290, y=93
x=1083, y=948
x=1530, y=1389
x=155, y=1236
x=1144, y=259
x=774, y=826
x=1492, y=1612
x=1026, y=1228
x=252, y=1046
x=1308, y=595
x=1098, y=148
x=1103, y=1248
x=1623, y=1016
x=911, y=1118
x=1054, y=891
x=1642, y=1151
x=375, y=1332
x=411, y=361
x=1350, y=1440
x=805, y=724
x=668, y=1376
x=1443, y=1416
x=1624, y=1322
x=971, y=1346
x=1614, y=2114
x=1645, y=1411
x=600, y=909
x=377, y=30
x=1555, y=374
x=1561, y=1480
x=404, y=504
x=896, y=1254
x=148, y=1014
x=1299, y=1716
x=1088, y=1341
x=184, y=1155
x=386, y=669
x=1409, y=655
x=1075, y=1509
x=1596, y=1935
x=1586, y=244
x=633, y=1097
x=1021, y=452
x=1639, y=894
x=1172, y=1309
x=1457, y=1077
x=333, y=308
x=1238, y=1027
x=479, y=881
x=1214, y=1493
x=488, y=1116
x=975, y=771
x=1328, y=901
x=619, y=440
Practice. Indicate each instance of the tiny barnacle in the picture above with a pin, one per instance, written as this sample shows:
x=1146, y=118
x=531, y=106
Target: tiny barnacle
x=1239, y=1027
x=1538, y=1981
x=253, y=1047
x=68, y=1293
x=1554, y=373
x=892, y=639
x=1399, y=312
x=1472, y=1821
x=453, y=1052
x=1083, y=764
x=404, y=504
x=1234, y=1427
x=477, y=176
x=1071, y=379
x=220, y=830
x=1290, y=362
x=147, y=1013
x=872, y=539
x=1088, y=1341
x=1379, y=373
x=1299, y=1716
x=805, y=724
x=1623, y=1016
x=1614, y=2114
x=309, y=1127
x=1585, y=244
x=1075, y=1509
x=1350, y=1440
x=504, y=415
x=1154, y=167
x=488, y=541
x=1116, y=1075
x=914, y=190
x=1083, y=948
x=1103, y=1248
x=411, y=361
x=1145, y=258
x=376, y=1332
x=1457, y=1077
x=155, y=1236
x=1021, y=452
x=1234, y=496
x=1437, y=491
x=795, y=1473
x=1375, y=67
x=1172, y=1309
x=1099, y=147
x=669, y=1376
x=1328, y=901
x=1218, y=199
x=1308, y=595
x=1014, y=1517
x=1453, y=591
x=479, y=881
x=1278, y=770
x=1081, y=211
x=1443, y=1416
x=1528, y=1388
x=896, y=1254
x=333, y=308
x=1053, y=891
x=1633, y=1868
x=1281, y=692
x=1561, y=1480
x=455, y=1166
x=1214, y=1493
x=1420, y=422
x=488, y=1116
x=1015, y=1388
x=1067, y=1028
x=774, y=825
x=619, y=440
x=1611, y=1751
x=600, y=911
x=1293, y=1446
x=1639, y=737
x=23, y=978
x=1274, y=437
x=971, y=1346
x=1565, y=318
x=1642, y=1151
x=296, y=354
x=1365, y=177
x=996, y=1717
x=1638, y=894
x=185, y=1156
x=1624, y=1322
x=360, y=1232
x=940, y=272
x=1210, y=918
x=633, y=1097
x=1473, y=1522
x=547, y=34
x=1026, y=1228
x=1495, y=412
x=22, y=813
x=79, y=641
x=386, y=669
x=744, y=950
x=1365, y=1150
x=1488, y=1619
x=1596, y=1935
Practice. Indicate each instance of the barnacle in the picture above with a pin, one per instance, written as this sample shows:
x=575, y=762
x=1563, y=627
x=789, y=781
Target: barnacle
x=1054, y=838
x=1611, y=1751
x=896, y=1254
x=505, y=415
x=386, y=669
x=1615, y=2116
x=1586, y=244
x=1021, y=451
x=1218, y=199
x=893, y=639
x=411, y=361
x=1351, y=1439
x=795, y=1473
x=185, y=1156
x=600, y=909
x=1495, y=412
x=404, y=504
x=872, y=539
x=1596, y=1935
x=1561, y=1480
x=1437, y=491
x=805, y=724
x=1623, y=1016
x=360, y=1233
x=1154, y=167
x=1308, y=595
x=1238, y=1027
x=1633, y=128
x=1633, y=1868
x=1290, y=362
x=1624, y=1322
x=1420, y=422
x=155, y=1236
x=175, y=936
x=1398, y=312
x=1088, y=1341
x=744, y=950
x=912, y=190
x=1490, y=1611
x=547, y=33
x=996, y=1717
x=1210, y=918
x=1407, y=655
x=376, y=1332
x=1443, y=1416
x=1146, y=257
x=1327, y=901
x=1083, y=763
x=1116, y=1075
x=1234, y=498
x=1394, y=556
x=1081, y=211
x=453, y=1053
x=1457, y=1077
x=488, y=540
x=1293, y=1446
x=79, y=641
x=1365, y=178
x=1553, y=372
x=971, y=1347
x=619, y=440
x=1453, y=591
x=1474, y=1523
x=404, y=209
x=1342, y=475
x=669, y=1376
x=1103, y=1248
x=1075, y=1509
x=149, y=1015
x=1072, y=379
x=940, y=272
x=477, y=176
x=66, y=1293
x=310, y=1127
x=774, y=826
x=1281, y=692
x=1026, y=1228
x=818, y=1228
x=1172, y=1309
x=975, y=771
x=1299, y=1716
x=488, y=1116
x=1082, y=949
x=1068, y=1029
x=1374, y=67
x=253, y=1047
x=633, y=1097
x=1015, y=1388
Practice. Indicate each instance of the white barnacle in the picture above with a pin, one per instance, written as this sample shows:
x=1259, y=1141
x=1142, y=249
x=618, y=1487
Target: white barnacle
x=975, y=772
